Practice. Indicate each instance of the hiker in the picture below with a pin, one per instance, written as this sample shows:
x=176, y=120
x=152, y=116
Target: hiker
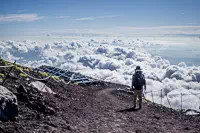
x=139, y=83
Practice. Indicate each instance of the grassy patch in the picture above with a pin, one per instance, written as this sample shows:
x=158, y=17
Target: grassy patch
x=18, y=65
x=23, y=74
x=1, y=75
x=7, y=63
x=30, y=69
x=19, y=68
x=56, y=77
x=1, y=60
x=4, y=62
x=44, y=74
x=27, y=69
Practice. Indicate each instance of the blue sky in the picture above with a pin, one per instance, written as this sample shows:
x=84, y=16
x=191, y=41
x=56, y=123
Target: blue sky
x=59, y=16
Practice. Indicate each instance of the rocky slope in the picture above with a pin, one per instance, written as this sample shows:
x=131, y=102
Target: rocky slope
x=86, y=109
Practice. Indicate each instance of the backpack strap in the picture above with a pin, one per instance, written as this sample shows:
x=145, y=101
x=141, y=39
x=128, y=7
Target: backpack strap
x=133, y=79
x=144, y=81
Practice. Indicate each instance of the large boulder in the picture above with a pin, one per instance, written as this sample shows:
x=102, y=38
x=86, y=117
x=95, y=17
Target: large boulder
x=41, y=87
x=8, y=104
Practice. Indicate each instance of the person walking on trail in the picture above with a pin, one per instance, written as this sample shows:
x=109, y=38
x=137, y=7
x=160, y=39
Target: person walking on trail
x=138, y=84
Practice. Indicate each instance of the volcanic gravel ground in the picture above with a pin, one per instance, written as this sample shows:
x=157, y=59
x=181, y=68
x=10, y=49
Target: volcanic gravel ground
x=95, y=109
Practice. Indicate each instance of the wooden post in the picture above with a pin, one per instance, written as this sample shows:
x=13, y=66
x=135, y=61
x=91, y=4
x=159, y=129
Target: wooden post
x=161, y=97
x=181, y=101
x=47, y=82
x=8, y=73
x=181, y=105
x=168, y=102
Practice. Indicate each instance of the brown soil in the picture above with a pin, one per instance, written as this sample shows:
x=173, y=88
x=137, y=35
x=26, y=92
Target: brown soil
x=85, y=109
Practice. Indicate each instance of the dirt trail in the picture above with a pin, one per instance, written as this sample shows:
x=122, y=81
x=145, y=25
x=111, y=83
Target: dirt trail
x=93, y=109
x=112, y=120
x=116, y=115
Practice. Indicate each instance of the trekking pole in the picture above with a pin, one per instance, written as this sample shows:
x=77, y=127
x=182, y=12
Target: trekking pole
x=144, y=94
x=8, y=73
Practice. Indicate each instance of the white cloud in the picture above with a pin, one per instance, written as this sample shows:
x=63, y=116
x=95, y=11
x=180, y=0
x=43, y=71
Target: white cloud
x=20, y=11
x=97, y=17
x=64, y=17
x=19, y=17
x=109, y=60
x=86, y=18
x=132, y=31
x=159, y=30
x=193, y=23
x=111, y=16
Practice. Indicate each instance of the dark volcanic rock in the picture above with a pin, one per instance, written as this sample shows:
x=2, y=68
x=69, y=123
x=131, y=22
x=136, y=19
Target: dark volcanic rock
x=8, y=104
x=22, y=94
x=84, y=109
x=21, y=89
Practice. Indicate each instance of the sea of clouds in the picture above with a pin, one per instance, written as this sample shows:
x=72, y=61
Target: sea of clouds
x=113, y=60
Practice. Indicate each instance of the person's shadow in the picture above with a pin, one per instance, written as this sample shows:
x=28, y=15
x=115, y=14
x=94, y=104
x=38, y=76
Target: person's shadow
x=129, y=110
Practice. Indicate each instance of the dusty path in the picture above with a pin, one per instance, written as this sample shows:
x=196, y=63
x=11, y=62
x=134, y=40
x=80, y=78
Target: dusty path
x=89, y=109
x=109, y=119
x=94, y=109
x=113, y=113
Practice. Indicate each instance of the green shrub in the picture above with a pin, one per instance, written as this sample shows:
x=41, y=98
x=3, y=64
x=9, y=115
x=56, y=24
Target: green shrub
x=3, y=62
x=56, y=77
x=23, y=74
x=27, y=69
x=1, y=75
x=19, y=68
x=18, y=65
x=44, y=74
x=7, y=63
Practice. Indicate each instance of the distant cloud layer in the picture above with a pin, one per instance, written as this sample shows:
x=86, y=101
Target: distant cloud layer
x=113, y=60
x=160, y=30
x=19, y=17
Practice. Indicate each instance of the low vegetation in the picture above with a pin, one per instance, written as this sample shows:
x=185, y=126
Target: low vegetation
x=44, y=74
x=19, y=68
x=1, y=75
x=56, y=77
x=23, y=74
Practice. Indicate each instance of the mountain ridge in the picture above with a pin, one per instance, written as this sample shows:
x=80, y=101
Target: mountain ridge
x=94, y=108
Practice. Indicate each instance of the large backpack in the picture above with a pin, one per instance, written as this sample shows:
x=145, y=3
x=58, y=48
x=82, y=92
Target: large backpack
x=138, y=80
